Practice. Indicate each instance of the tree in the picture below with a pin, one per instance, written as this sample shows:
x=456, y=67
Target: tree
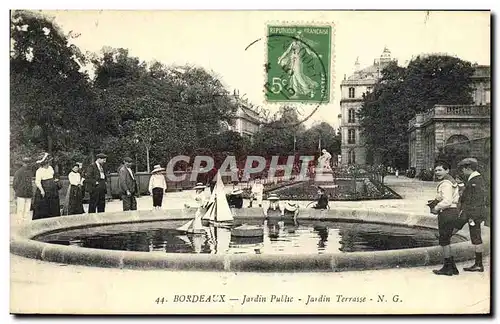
x=403, y=92
x=165, y=110
x=310, y=139
x=51, y=99
x=277, y=136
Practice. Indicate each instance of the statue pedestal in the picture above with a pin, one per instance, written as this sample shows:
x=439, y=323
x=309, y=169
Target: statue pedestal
x=325, y=179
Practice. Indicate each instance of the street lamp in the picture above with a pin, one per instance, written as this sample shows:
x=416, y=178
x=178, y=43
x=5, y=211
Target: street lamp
x=136, y=141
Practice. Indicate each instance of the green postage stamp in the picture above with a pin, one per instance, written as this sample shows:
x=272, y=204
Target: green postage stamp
x=298, y=63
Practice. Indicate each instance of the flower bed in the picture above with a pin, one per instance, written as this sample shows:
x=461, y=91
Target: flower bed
x=349, y=189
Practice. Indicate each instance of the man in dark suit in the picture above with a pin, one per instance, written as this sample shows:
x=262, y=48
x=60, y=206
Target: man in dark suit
x=322, y=199
x=473, y=208
x=95, y=184
x=128, y=185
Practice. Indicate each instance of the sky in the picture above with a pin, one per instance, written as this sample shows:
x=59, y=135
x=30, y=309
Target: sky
x=216, y=40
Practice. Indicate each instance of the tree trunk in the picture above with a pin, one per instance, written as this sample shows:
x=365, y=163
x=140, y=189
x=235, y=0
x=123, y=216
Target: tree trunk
x=50, y=144
x=147, y=158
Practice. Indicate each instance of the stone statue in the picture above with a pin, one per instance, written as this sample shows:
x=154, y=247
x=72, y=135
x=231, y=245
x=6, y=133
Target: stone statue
x=324, y=161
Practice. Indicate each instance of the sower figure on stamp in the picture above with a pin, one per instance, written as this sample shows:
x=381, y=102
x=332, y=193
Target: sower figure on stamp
x=445, y=206
x=473, y=208
x=128, y=185
x=95, y=183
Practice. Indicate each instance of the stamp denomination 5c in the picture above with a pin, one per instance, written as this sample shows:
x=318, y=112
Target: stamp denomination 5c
x=298, y=63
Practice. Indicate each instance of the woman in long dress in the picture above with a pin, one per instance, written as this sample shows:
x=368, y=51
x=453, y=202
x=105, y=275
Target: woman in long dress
x=291, y=61
x=75, y=198
x=46, y=200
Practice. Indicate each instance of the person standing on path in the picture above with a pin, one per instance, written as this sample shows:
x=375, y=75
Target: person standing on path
x=322, y=199
x=95, y=183
x=473, y=206
x=46, y=201
x=257, y=192
x=74, y=196
x=157, y=186
x=446, y=208
x=127, y=185
x=23, y=188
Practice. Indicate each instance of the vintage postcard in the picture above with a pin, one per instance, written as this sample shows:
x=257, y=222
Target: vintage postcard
x=250, y=162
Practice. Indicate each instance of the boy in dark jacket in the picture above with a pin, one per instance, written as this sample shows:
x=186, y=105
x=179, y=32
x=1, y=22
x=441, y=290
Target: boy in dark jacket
x=473, y=208
x=23, y=187
x=322, y=199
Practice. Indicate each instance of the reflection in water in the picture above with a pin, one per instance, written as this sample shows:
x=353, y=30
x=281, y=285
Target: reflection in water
x=323, y=237
x=281, y=236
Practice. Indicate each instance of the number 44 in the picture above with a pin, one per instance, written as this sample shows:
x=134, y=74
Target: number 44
x=160, y=300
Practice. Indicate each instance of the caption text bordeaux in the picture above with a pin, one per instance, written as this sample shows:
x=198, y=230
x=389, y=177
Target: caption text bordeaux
x=310, y=299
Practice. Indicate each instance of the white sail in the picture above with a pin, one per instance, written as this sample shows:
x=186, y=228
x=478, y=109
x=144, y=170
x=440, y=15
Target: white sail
x=197, y=242
x=212, y=195
x=185, y=239
x=210, y=213
x=185, y=227
x=194, y=225
x=223, y=240
x=223, y=212
x=212, y=239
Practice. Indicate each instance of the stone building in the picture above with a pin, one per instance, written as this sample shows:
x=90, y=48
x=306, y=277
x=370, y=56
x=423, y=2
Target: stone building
x=353, y=150
x=247, y=122
x=462, y=127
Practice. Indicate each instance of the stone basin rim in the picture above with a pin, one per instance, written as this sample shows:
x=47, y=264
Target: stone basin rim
x=22, y=244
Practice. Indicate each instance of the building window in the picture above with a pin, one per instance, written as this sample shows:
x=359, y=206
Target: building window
x=351, y=92
x=487, y=96
x=352, y=116
x=351, y=136
x=352, y=157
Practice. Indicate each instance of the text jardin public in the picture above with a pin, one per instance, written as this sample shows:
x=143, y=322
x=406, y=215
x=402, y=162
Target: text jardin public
x=249, y=299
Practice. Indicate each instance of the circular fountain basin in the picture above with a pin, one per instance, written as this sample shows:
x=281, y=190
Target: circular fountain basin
x=323, y=240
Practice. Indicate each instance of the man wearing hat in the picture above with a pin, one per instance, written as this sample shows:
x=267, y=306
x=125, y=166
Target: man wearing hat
x=200, y=196
x=235, y=199
x=23, y=188
x=95, y=183
x=127, y=185
x=157, y=186
x=322, y=199
x=274, y=209
x=257, y=192
x=473, y=205
x=290, y=210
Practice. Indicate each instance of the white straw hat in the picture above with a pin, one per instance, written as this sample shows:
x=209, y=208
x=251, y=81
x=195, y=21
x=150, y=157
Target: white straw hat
x=199, y=185
x=157, y=168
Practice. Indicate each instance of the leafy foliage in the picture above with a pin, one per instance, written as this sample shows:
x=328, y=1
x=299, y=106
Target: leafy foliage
x=403, y=92
x=148, y=111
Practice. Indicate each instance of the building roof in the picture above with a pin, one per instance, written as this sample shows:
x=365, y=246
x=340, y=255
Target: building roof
x=482, y=71
x=249, y=114
x=370, y=74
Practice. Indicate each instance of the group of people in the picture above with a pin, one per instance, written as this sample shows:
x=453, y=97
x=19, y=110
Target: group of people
x=45, y=201
x=235, y=199
x=457, y=205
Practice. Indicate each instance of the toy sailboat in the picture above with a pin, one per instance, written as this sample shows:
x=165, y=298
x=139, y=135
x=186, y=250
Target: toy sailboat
x=218, y=213
x=219, y=240
x=194, y=226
